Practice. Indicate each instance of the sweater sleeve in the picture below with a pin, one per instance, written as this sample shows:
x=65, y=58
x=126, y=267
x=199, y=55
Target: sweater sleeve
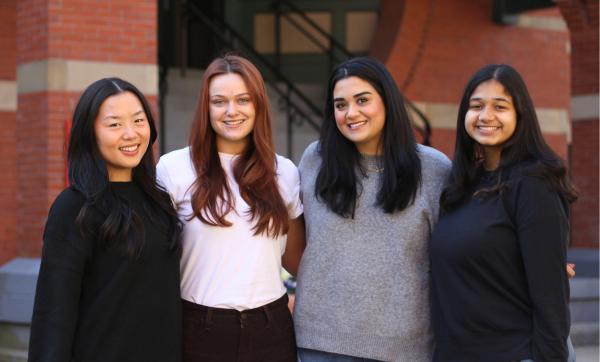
x=542, y=227
x=56, y=305
x=56, y=301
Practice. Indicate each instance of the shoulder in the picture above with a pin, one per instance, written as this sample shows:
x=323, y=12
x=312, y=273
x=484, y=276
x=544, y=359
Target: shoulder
x=69, y=201
x=175, y=158
x=311, y=157
x=64, y=211
x=433, y=162
x=538, y=193
x=286, y=170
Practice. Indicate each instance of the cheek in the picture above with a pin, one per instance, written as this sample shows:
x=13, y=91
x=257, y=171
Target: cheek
x=340, y=119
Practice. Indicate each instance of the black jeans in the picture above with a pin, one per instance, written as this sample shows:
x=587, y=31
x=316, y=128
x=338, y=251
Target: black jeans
x=226, y=335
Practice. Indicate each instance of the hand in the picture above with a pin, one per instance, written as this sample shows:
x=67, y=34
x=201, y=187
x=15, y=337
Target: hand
x=570, y=271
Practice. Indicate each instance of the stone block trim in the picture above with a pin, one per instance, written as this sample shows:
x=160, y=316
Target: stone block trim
x=76, y=75
x=8, y=96
x=18, y=280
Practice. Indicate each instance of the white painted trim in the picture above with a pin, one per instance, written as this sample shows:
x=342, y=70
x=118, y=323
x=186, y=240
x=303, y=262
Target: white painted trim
x=76, y=75
x=586, y=106
x=8, y=96
x=542, y=22
x=443, y=116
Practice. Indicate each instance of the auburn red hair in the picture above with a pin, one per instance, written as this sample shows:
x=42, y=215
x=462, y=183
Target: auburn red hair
x=254, y=170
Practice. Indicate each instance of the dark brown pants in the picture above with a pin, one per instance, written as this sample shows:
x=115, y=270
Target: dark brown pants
x=226, y=335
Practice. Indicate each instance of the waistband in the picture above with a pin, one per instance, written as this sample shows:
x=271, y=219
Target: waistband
x=203, y=315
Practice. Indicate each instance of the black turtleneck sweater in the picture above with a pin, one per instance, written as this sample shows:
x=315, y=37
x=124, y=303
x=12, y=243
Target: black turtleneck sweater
x=500, y=287
x=91, y=304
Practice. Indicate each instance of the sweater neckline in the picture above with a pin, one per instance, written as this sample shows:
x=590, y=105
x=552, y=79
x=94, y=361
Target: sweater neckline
x=372, y=162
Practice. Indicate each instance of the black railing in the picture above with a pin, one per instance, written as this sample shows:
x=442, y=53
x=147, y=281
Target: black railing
x=296, y=114
x=336, y=52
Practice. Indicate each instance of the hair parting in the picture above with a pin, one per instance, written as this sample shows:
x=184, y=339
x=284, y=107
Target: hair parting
x=255, y=170
x=524, y=154
x=337, y=183
x=119, y=226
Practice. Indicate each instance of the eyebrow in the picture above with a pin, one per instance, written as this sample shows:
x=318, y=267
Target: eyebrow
x=110, y=116
x=355, y=96
x=237, y=95
x=494, y=99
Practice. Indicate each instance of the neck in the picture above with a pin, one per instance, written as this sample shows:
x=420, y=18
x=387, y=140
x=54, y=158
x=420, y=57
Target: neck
x=491, y=158
x=119, y=175
x=370, y=149
x=232, y=148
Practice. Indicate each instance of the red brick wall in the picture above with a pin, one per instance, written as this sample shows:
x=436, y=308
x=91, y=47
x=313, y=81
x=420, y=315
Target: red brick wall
x=582, y=19
x=8, y=135
x=92, y=30
x=461, y=39
x=103, y=30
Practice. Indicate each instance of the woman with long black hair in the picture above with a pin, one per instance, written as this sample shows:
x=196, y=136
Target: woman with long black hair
x=371, y=200
x=108, y=287
x=242, y=215
x=498, y=253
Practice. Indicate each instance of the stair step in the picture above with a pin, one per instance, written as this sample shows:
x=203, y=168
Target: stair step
x=12, y=355
x=584, y=334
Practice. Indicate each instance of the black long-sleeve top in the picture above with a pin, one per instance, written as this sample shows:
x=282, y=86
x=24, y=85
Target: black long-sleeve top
x=500, y=287
x=92, y=304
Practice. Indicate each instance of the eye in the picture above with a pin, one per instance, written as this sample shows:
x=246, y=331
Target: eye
x=361, y=100
x=139, y=120
x=114, y=125
x=340, y=105
x=218, y=102
x=475, y=106
x=244, y=101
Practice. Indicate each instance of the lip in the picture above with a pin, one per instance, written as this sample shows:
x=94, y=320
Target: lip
x=131, y=153
x=358, y=127
x=234, y=125
x=485, y=131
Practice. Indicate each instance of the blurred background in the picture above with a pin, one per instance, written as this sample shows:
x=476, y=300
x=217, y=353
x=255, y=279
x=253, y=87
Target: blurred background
x=50, y=50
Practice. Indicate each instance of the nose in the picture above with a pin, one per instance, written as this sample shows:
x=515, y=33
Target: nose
x=487, y=114
x=232, y=110
x=128, y=133
x=352, y=112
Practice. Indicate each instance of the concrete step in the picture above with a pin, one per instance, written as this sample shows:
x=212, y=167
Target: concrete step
x=13, y=355
x=584, y=334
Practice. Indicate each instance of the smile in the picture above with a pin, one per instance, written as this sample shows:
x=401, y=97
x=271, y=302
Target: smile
x=487, y=128
x=357, y=124
x=129, y=149
x=233, y=123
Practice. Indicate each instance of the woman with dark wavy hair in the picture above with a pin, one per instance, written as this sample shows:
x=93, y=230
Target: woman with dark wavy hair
x=370, y=195
x=498, y=252
x=242, y=218
x=108, y=286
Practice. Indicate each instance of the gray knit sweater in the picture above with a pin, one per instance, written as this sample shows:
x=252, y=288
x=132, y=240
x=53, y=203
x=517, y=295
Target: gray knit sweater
x=363, y=283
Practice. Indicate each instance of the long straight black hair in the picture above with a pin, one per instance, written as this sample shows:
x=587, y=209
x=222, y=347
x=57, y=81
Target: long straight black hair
x=120, y=227
x=337, y=183
x=525, y=153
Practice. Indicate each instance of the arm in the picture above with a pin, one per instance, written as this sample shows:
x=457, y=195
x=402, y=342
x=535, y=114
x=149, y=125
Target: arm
x=56, y=305
x=542, y=228
x=294, y=248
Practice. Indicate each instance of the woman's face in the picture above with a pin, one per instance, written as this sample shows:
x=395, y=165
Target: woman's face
x=359, y=113
x=492, y=118
x=231, y=111
x=122, y=134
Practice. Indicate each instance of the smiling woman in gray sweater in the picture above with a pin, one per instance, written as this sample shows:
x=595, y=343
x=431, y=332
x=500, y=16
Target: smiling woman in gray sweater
x=370, y=196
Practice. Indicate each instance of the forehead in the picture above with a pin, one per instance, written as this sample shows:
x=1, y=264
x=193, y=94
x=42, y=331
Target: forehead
x=125, y=102
x=352, y=85
x=491, y=89
x=227, y=84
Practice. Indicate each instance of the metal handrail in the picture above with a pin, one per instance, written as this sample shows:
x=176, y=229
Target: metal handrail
x=296, y=10
x=426, y=132
x=293, y=110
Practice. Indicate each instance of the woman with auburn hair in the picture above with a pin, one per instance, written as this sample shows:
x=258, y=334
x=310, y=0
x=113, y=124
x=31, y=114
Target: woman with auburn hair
x=498, y=252
x=242, y=216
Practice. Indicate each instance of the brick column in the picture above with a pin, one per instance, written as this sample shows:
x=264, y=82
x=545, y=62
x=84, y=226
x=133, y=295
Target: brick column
x=8, y=130
x=64, y=46
x=582, y=19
